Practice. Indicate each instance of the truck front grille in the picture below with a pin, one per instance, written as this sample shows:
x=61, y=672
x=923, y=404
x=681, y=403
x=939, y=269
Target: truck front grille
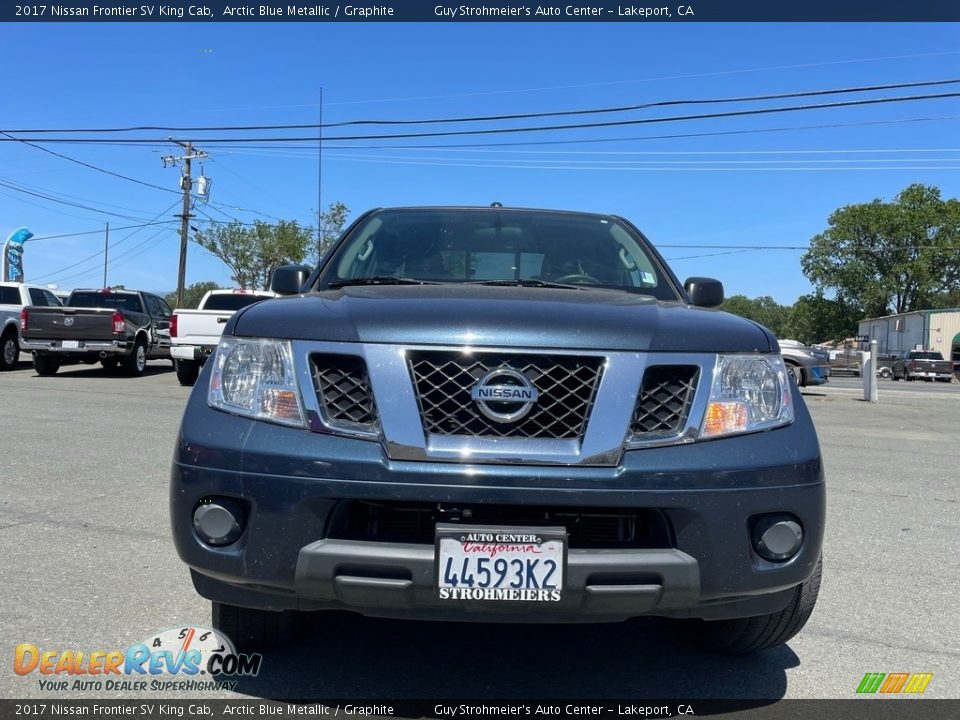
x=587, y=527
x=343, y=389
x=443, y=382
x=664, y=401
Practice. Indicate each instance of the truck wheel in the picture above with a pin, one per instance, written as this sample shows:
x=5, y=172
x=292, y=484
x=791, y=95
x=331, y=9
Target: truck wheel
x=46, y=364
x=796, y=372
x=9, y=350
x=743, y=636
x=251, y=629
x=907, y=376
x=136, y=362
x=187, y=371
x=885, y=372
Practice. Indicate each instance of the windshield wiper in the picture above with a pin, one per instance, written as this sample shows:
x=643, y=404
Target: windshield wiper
x=379, y=280
x=529, y=282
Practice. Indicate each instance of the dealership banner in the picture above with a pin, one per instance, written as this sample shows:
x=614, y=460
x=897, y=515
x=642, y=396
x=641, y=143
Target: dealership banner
x=13, y=255
x=495, y=12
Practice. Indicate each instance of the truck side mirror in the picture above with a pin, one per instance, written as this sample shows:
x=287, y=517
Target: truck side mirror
x=704, y=292
x=290, y=279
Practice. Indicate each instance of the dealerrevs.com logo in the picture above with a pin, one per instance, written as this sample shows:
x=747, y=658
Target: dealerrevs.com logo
x=186, y=658
x=894, y=683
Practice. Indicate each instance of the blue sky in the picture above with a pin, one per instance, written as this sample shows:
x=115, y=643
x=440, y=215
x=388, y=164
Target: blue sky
x=741, y=189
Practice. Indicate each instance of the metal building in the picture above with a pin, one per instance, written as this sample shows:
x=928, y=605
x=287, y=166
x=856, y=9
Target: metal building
x=924, y=330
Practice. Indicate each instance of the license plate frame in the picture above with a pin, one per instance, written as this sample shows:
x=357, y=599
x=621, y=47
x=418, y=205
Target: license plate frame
x=510, y=543
x=70, y=344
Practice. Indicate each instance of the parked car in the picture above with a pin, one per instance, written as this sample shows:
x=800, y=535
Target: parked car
x=922, y=364
x=114, y=327
x=501, y=415
x=194, y=334
x=13, y=297
x=807, y=365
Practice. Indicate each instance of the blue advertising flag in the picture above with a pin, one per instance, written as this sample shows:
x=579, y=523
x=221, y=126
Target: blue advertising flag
x=13, y=255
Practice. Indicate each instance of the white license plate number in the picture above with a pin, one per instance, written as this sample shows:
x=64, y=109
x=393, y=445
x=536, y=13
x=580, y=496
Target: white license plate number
x=70, y=344
x=500, y=565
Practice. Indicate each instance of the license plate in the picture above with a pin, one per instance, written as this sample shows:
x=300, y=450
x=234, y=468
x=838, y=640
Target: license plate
x=500, y=563
x=70, y=344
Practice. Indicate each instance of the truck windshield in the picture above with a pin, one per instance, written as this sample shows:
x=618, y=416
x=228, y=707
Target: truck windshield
x=499, y=246
x=926, y=356
x=119, y=301
x=231, y=301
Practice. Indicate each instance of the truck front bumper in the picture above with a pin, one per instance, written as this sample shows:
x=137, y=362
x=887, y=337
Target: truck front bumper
x=291, y=484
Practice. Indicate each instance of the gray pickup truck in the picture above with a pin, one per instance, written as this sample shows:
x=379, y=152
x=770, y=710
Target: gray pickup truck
x=922, y=365
x=499, y=414
x=113, y=327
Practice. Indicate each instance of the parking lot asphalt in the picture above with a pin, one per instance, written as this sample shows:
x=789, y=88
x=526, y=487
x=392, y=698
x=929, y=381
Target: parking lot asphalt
x=88, y=564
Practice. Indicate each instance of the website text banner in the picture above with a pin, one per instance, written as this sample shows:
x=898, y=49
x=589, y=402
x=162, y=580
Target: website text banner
x=508, y=11
x=149, y=708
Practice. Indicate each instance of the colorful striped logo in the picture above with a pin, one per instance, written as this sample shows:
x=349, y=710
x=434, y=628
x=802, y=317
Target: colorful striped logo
x=894, y=683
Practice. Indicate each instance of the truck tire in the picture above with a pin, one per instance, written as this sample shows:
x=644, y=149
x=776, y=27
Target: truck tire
x=885, y=372
x=796, y=372
x=46, y=364
x=741, y=636
x=251, y=629
x=187, y=371
x=9, y=350
x=136, y=362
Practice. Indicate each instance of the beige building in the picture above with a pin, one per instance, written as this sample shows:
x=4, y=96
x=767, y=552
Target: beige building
x=924, y=330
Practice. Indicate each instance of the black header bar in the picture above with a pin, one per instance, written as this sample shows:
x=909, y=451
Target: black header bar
x=644, y=11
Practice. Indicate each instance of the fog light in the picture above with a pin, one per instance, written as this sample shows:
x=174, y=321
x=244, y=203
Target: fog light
x=777, y=537
x=218, y=521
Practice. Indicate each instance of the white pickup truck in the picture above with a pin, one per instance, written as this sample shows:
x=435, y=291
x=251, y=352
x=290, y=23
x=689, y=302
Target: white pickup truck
x=14, y=297
x=194, y=334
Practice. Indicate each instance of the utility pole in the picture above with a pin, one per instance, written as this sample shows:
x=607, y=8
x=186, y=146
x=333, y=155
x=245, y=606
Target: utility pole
x=106, y=250
x=186, y=184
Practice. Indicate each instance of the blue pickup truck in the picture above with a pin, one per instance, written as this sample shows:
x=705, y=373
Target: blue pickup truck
x=499, y=414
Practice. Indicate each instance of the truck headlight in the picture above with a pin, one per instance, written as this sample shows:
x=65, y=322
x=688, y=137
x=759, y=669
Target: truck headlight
x=255, y=378
x=749, y=393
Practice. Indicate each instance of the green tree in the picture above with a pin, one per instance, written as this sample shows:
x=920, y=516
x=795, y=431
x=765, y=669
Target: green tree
x=192, y=294
x=252, y=252
x=764, y=310
x=816, y=319
x=330, y=227
x=889, y=256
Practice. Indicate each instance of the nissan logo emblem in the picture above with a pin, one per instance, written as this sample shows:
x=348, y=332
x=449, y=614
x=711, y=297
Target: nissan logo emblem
x=504, y=395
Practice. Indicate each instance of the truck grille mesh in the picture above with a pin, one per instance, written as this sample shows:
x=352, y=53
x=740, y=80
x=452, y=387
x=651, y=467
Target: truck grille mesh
x=566, y=384
x=664, y=401
x=343, y=389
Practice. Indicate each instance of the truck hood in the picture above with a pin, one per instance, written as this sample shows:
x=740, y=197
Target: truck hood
x=520, y=317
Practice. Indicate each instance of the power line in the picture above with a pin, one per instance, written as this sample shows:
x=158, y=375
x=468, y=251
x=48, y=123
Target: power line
x=116, y=174
x=115, y=263
x=88, y=165
x=66, y=202
x=99, y=253
x=97, y=232
x=492, y=118
x=593, y=141
x=537, y=128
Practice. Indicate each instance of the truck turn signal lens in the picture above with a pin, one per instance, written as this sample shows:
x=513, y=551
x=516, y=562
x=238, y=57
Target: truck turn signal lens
x=724, y=418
